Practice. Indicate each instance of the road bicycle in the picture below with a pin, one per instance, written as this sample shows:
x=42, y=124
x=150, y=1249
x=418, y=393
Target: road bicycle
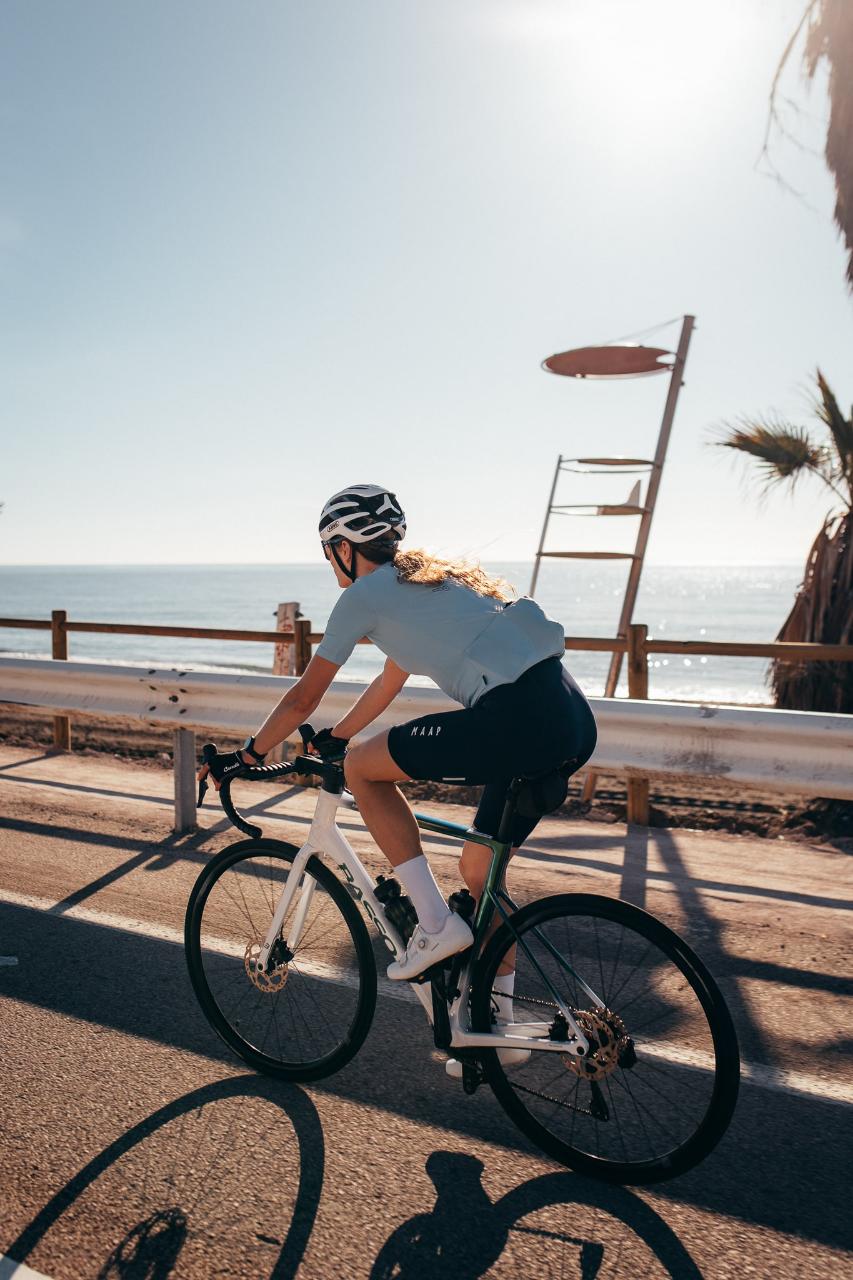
x=630, y=1066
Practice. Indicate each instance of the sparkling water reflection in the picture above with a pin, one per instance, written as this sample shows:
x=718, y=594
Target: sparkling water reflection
x=679, y=603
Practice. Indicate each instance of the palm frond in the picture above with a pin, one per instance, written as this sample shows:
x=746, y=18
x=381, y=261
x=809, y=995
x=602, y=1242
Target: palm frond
x=783, y=450
x=827, y=410
x=822, y=613
x=830, y=38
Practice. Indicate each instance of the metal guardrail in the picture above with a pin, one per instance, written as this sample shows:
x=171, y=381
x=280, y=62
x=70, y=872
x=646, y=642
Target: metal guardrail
x=294, y=639
x=793, y=752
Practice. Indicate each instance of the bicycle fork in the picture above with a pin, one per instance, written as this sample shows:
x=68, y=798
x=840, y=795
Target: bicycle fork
x=296, y=879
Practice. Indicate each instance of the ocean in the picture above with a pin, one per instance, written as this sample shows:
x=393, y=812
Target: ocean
x=676, y=603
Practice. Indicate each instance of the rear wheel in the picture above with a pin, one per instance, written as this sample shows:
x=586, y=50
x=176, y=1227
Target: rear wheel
x=658, y=1089
x=309, y=1013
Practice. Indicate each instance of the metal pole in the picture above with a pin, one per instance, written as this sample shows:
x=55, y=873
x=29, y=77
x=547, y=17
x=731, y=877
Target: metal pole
x=675, y=384
x=184, y=773
x=537, y=561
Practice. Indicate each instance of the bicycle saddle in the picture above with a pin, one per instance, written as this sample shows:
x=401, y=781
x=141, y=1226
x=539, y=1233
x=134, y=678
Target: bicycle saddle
x=541, y=793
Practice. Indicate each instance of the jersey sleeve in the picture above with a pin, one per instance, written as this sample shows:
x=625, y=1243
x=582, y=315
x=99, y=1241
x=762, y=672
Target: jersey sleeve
x=351, y=618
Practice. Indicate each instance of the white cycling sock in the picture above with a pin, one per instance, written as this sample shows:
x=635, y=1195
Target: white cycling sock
x=419, y=882
x=502, y=989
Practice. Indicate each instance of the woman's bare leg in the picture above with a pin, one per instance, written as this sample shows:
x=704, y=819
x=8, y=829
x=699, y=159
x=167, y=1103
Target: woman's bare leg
x=474, y=865
x=371, y=776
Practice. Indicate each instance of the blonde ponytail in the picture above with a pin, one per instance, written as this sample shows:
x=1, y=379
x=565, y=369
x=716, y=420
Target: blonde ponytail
x=427, y=570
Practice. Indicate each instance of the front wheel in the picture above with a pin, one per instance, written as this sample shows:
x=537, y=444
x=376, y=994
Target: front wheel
x=309, y=1013
x=658, y=1088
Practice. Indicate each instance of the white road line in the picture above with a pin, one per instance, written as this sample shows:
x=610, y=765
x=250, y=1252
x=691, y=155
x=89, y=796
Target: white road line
x=19, y=1270
x=8, y=960
x=164, y=933
x=777, y=1080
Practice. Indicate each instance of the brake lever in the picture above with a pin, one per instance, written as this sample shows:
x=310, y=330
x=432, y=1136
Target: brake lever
x=208, y=753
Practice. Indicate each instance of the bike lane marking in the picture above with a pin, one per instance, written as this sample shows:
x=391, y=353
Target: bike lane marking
x=11, y=1270
x=764, y=1077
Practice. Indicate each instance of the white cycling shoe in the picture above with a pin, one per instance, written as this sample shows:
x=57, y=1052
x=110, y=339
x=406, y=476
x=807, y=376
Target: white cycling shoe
x=426, y=949
x=506, y=1057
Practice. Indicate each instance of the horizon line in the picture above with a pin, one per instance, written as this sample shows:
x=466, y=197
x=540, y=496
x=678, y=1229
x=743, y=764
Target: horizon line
x=315, y=564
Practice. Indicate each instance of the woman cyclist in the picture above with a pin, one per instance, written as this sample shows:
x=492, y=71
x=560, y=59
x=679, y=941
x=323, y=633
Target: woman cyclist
x=521, y=712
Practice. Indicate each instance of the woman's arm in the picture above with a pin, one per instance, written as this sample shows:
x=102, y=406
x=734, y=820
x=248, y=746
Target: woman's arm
x=378, y=695
x=300, y=702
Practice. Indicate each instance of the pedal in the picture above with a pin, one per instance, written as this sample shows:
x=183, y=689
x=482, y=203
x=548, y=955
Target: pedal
x=452, y=965
x=434, y=973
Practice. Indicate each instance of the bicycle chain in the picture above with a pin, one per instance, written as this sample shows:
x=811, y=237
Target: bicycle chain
x=607, y=1037
x=536, y=1093
x=546, y=1004
x=558, y=1102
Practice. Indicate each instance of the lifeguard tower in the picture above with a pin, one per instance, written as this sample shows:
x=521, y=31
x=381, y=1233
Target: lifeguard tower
x=613, y=360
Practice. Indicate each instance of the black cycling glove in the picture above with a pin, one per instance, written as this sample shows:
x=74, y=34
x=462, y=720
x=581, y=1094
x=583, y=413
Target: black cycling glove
x=328, y=746
x=227, y=764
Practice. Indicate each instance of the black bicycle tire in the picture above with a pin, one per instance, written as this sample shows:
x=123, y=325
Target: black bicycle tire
x=343, y=1053
x=727, y=1076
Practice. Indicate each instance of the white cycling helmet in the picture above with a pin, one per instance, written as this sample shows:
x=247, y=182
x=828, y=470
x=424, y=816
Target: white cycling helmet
x=362, y=513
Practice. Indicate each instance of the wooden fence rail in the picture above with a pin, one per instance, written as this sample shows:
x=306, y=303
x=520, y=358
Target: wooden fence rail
x=797, y=652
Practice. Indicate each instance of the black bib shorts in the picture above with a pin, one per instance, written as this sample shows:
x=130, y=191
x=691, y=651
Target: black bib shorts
x=539, y=722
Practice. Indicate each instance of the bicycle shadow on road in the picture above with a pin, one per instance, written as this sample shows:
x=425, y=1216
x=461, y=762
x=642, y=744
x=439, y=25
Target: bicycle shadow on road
x=151, y=1247
x=137, y=985
x=466, y=1233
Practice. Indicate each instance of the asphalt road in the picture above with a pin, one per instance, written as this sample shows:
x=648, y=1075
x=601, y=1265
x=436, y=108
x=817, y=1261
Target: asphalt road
x=134, y=1145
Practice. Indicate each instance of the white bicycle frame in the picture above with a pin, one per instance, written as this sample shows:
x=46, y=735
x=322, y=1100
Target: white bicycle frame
x=326, y=840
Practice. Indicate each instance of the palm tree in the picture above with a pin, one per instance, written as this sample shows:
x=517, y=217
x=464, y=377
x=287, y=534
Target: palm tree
x=829, y=37
x=823, y=608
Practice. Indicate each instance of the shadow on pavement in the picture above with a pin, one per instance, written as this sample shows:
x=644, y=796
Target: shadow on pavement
x=138, y=985
x=150, y=1248
x=16, y=764
x=465, y=1234
x=636, y=874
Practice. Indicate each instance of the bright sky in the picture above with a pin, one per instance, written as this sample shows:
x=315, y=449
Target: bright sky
x=252, y=252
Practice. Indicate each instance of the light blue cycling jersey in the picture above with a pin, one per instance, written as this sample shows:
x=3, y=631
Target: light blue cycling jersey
x=465, y=642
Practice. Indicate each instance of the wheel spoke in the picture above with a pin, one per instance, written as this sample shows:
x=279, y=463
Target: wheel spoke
x=623, y=985
x=661, y=1117
x=318, y=1015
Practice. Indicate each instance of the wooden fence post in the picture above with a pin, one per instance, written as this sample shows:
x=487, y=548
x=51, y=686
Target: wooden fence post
x=59, y=649
x=292, y=656
x=638, y=687
x=302, y=656
x=302, y=644
x=284, y=657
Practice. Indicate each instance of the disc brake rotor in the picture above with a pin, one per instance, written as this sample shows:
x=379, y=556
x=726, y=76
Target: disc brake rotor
x=269, y=982
x=607, y=1038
